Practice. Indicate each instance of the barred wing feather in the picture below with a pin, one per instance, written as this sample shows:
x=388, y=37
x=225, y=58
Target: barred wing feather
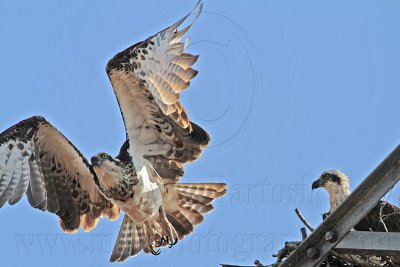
x=147, y=79
x=37, y=160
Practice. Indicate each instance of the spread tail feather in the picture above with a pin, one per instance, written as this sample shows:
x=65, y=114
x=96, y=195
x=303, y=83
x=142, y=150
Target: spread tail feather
x=185, y=204
x=130, y=240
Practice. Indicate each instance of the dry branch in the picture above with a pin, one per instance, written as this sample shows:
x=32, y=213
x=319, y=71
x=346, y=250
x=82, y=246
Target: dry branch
x=303, y=220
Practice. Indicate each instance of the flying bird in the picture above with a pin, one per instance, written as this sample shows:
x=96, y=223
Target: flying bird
x=384, y=217
x=38, y=161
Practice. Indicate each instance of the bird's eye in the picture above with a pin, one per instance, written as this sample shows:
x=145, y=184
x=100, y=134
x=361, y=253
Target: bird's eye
x=103, y=156
x=327, y=176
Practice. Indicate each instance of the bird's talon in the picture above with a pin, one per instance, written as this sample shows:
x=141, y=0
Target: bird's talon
x=154, y=251
x=173, y=242
x=166, y=240
x=161, y=242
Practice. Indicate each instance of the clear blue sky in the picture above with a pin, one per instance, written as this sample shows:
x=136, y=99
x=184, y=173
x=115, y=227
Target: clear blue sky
x=286, y=89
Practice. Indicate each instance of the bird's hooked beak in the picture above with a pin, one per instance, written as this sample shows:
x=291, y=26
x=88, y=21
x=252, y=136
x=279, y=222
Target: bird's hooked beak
x=316, y=184
x=95, y=161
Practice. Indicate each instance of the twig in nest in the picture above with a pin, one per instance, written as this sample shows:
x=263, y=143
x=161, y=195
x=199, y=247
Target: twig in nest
x=303, y=220
x=355, y=259
x=258, y=263
x=381, y=219
x=284, y=252
x=303, y=233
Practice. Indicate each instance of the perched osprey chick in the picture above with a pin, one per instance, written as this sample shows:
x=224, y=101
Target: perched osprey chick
x=337, y=185
x=384, y=217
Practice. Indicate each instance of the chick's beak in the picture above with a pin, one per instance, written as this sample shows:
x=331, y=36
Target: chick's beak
x=316, y=184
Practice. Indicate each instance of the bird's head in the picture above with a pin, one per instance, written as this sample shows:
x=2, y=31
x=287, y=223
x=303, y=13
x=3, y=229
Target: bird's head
x=107, y=168
x=101, y=159
x=332, y=181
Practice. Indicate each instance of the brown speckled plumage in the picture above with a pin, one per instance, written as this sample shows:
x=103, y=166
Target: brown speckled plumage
x=142, y=180
x=51, y=183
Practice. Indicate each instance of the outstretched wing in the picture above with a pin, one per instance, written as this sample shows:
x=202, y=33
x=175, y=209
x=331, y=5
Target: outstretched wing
x=147, y=79
x=39, y=161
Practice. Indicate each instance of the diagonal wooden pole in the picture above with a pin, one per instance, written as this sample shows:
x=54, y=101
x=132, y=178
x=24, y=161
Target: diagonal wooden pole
x=319, y=243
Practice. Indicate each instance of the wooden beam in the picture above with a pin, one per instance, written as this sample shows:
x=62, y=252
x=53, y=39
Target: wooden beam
x=362, y=243
x=370, y=243
x=314, y=249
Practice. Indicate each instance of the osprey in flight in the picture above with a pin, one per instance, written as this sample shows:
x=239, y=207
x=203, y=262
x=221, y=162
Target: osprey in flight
x=147, y=78
x=384, y=217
